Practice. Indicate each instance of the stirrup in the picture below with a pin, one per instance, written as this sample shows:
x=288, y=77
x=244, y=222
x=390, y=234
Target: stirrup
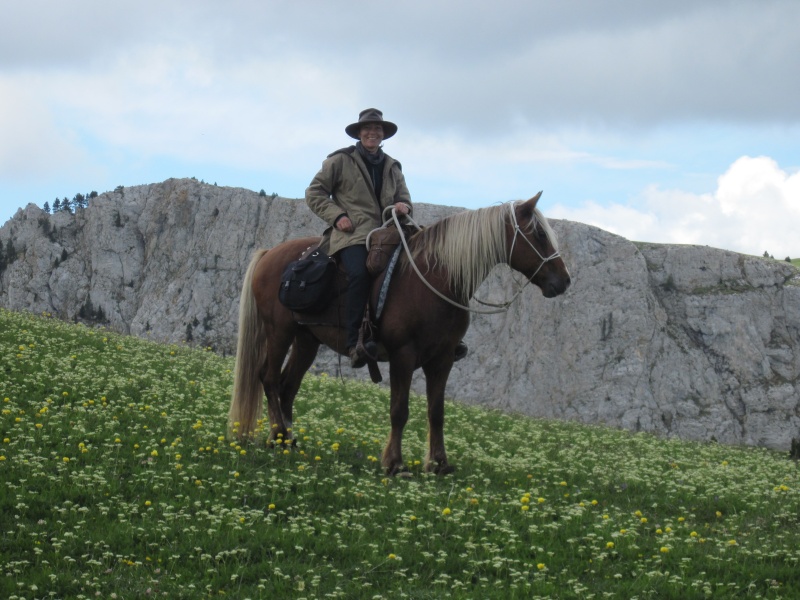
x=357, y=357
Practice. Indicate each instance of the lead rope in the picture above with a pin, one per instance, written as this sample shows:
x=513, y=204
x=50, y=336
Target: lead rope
x=497, y=308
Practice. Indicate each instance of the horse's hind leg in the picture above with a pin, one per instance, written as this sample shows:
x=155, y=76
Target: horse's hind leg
x=271, y=381
x=435, y=380
x=304, y=351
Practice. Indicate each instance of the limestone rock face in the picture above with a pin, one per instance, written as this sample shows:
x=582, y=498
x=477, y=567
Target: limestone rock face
x=685, y=341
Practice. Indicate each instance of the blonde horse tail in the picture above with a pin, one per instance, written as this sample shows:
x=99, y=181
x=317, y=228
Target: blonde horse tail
x=251, y=353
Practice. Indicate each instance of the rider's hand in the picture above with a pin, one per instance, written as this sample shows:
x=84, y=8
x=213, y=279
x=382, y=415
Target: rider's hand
x=344, y=224
x=401, y=208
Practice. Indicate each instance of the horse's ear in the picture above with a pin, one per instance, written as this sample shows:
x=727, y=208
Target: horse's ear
x=526, y=208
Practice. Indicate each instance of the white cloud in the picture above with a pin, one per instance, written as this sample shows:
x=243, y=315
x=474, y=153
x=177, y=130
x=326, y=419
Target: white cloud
x=755, y=208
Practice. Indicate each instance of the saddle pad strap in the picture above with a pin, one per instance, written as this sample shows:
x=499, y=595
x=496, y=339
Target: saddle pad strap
x=385, y=285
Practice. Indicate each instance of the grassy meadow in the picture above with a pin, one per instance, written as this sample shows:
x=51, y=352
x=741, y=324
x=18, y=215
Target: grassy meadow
x=117, y=480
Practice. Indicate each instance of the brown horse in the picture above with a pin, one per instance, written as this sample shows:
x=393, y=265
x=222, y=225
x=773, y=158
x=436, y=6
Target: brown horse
x=420, y=326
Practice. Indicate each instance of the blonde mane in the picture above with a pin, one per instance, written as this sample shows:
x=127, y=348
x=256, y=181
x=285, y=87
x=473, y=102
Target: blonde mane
x=469, y=244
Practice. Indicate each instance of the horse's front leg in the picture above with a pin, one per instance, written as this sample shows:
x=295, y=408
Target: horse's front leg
x=436, y=374
x=401, y=369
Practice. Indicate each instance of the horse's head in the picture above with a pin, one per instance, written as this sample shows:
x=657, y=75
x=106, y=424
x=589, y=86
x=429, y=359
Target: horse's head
x=533, y=249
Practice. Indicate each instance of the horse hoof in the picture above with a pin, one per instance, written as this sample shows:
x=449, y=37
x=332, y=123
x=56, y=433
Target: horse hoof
x=399, y=471
x=440, y=468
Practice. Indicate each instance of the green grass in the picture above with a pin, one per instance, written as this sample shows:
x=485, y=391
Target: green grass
x=118, y=481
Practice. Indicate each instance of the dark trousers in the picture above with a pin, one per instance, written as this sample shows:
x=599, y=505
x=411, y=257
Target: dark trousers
x=354, y=261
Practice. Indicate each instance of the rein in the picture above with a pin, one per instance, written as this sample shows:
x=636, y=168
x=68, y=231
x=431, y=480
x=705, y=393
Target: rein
x=496, y=308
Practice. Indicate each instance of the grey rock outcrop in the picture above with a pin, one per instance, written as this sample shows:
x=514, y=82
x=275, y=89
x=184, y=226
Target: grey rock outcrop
x=684, y=341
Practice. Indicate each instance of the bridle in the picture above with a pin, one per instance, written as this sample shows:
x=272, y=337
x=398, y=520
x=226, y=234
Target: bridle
x=495, y=308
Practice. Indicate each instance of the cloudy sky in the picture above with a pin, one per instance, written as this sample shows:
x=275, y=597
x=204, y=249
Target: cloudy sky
x=669, y=121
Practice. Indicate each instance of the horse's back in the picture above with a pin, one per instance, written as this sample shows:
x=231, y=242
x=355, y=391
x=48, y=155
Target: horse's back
x=281, y=255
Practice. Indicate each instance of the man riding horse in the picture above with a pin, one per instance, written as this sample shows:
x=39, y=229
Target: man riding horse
x=350, y=193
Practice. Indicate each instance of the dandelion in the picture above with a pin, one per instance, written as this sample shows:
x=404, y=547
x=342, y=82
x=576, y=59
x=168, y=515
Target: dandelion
x=147, y=503
x=541, y=566
x=525, y=499
x=609, y=545
x=693, y=534
x=664, y=549
x=392, y=557
x=643, y=520
x=271, y=507
x=540, y=500
x=446, y=512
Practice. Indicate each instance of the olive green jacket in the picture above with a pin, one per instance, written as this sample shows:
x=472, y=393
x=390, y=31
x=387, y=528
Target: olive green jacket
x=343, y=187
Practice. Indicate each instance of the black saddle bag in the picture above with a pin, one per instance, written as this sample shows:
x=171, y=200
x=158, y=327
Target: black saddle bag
x=307, y=284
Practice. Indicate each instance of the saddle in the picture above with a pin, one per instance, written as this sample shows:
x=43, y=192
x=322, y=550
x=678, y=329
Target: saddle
x=332, y=313
x=383, y=252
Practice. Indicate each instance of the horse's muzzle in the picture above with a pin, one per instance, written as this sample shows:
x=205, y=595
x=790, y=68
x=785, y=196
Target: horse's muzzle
x=555, y=286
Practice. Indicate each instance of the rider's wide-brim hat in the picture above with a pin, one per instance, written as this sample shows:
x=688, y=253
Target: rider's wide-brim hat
x=367, y=116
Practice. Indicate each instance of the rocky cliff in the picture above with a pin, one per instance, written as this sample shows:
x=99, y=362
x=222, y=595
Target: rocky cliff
x=684, y=341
